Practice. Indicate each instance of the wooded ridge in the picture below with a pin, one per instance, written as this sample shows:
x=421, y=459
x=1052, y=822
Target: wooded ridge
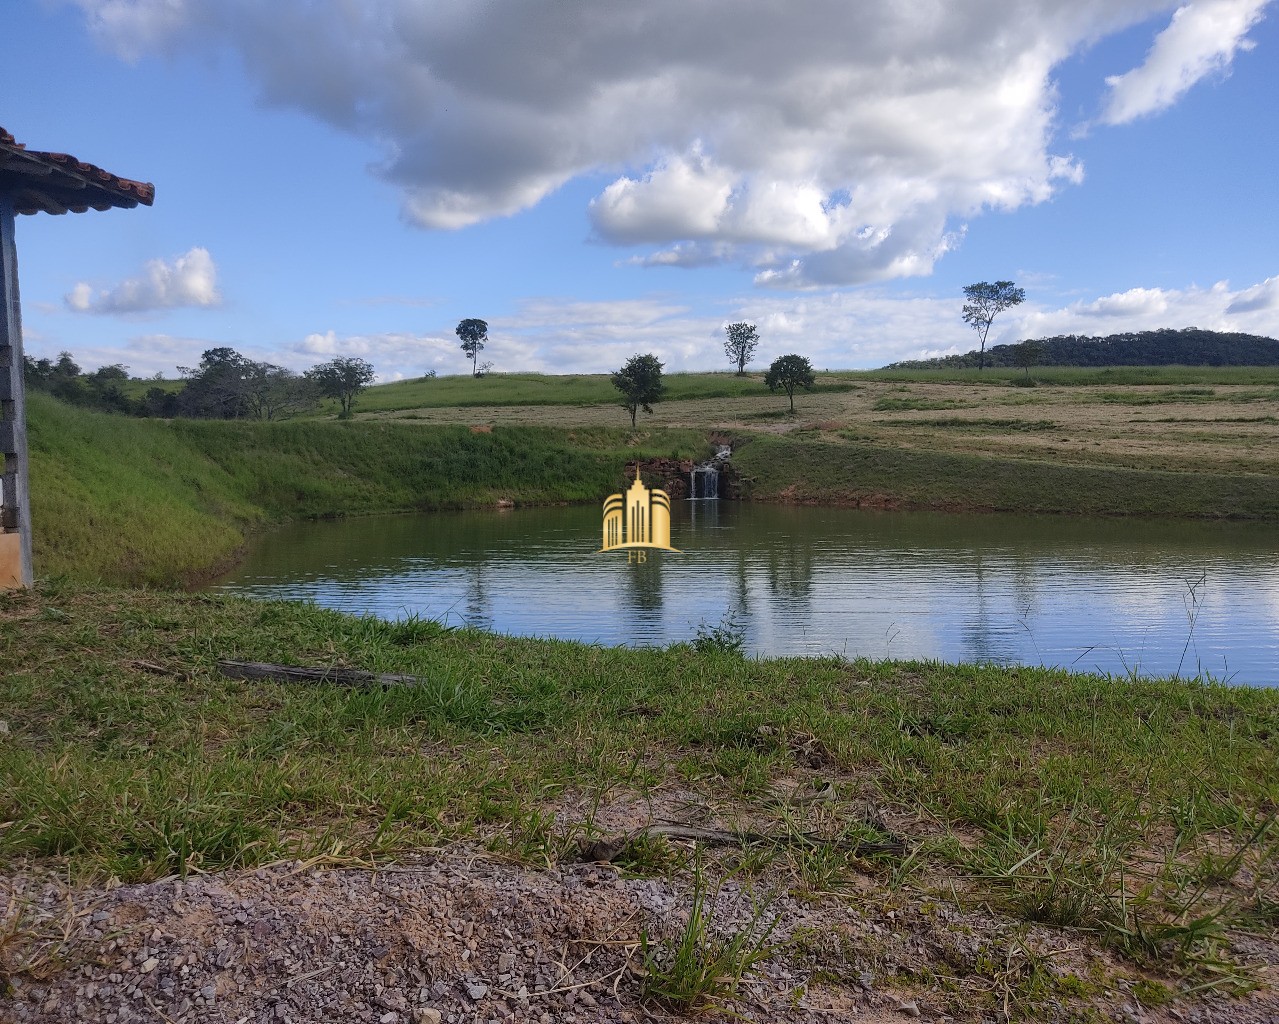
x=1189, y=346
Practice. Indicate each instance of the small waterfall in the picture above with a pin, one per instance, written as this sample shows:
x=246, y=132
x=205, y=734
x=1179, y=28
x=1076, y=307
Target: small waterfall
x=704, y=481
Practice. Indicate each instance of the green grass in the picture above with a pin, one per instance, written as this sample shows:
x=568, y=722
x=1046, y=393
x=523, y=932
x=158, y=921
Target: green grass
x=804, y=468
x=887, y=404
x=694, y=968
x=507, y=389
x=976, y=423
x=1140, y=811
x=125, y=499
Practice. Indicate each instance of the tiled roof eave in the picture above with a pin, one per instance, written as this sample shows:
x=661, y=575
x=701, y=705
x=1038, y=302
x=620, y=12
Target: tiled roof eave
x=37, y=182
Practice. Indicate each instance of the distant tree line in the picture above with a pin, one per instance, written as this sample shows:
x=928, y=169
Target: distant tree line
x=225, y=386
x=1191, y=346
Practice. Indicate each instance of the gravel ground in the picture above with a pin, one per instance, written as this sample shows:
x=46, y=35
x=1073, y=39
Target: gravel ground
x=463, y=936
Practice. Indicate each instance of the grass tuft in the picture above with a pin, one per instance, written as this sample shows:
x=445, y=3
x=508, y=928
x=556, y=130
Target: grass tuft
x=697, y=967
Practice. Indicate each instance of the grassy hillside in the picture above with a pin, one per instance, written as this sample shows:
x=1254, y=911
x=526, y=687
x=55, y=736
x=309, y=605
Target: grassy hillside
x=147, y=501
x=807, y=467
x=507, y=389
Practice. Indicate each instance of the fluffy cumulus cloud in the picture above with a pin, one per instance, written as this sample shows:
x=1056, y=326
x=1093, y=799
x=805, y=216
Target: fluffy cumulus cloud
x=188, y=280
x=1202, y=38
x=822, y=144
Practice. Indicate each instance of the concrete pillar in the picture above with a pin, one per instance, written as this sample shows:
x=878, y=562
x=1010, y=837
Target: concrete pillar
x=15, y=502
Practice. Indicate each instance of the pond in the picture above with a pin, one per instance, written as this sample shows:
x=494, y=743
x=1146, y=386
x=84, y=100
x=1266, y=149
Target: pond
x=1115, y=596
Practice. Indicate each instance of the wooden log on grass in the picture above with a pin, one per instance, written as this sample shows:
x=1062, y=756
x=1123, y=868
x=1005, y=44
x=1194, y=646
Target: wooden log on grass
x=291, y=674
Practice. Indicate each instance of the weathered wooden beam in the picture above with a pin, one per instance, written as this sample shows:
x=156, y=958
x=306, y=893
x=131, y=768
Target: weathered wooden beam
x=293, y=674
x=13, y=410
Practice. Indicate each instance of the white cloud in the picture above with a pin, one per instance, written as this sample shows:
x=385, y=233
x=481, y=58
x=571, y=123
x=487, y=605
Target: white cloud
x=1259, y=298
x=1203, y=37
x=835, y=329
x=822, y=143
x=1133, y=302
x=1218, y=308
x=189, y=280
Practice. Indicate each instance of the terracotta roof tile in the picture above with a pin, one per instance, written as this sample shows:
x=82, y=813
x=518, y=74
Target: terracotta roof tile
x=57, y=182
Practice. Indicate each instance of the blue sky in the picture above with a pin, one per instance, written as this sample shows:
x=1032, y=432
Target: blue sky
x=338, y=178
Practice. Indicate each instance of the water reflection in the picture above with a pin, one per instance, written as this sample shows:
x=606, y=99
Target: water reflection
x=1116, y=596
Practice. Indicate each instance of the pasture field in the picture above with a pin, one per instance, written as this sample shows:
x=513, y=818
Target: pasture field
x=1222, y=428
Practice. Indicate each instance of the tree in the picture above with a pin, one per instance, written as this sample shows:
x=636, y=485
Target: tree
x=343, y=379
x=788, y=373
x=640, y=382
x=474, y=333
x=217, y=388
x=1026, y=353
x=985, y=302
x=273, y=392
x=106, y=388
x=740, y=345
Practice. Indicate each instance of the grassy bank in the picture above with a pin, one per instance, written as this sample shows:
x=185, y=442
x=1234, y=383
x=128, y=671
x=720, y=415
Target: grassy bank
x=824, y=468
x=1140, y=813
x=145, y=501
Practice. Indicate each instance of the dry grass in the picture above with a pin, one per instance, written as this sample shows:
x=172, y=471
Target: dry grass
x=1224, y=428
x=34, y=939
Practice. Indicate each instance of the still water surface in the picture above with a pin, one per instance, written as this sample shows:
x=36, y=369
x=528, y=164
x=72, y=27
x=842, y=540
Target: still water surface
x=1118, y=596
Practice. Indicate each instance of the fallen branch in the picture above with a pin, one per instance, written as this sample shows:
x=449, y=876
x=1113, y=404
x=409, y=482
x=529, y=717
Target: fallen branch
x=291, y=674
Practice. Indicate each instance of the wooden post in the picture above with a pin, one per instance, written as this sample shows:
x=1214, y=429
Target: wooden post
x=15, y=525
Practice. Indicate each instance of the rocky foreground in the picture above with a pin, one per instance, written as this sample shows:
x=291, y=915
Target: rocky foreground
x=464, y=936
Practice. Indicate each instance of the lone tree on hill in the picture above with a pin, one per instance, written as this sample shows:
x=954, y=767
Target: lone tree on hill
x=343, y=379
x=788, y=373
x=740, y=345
x=474, y=333
x=985, y=302
x=640, y=382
